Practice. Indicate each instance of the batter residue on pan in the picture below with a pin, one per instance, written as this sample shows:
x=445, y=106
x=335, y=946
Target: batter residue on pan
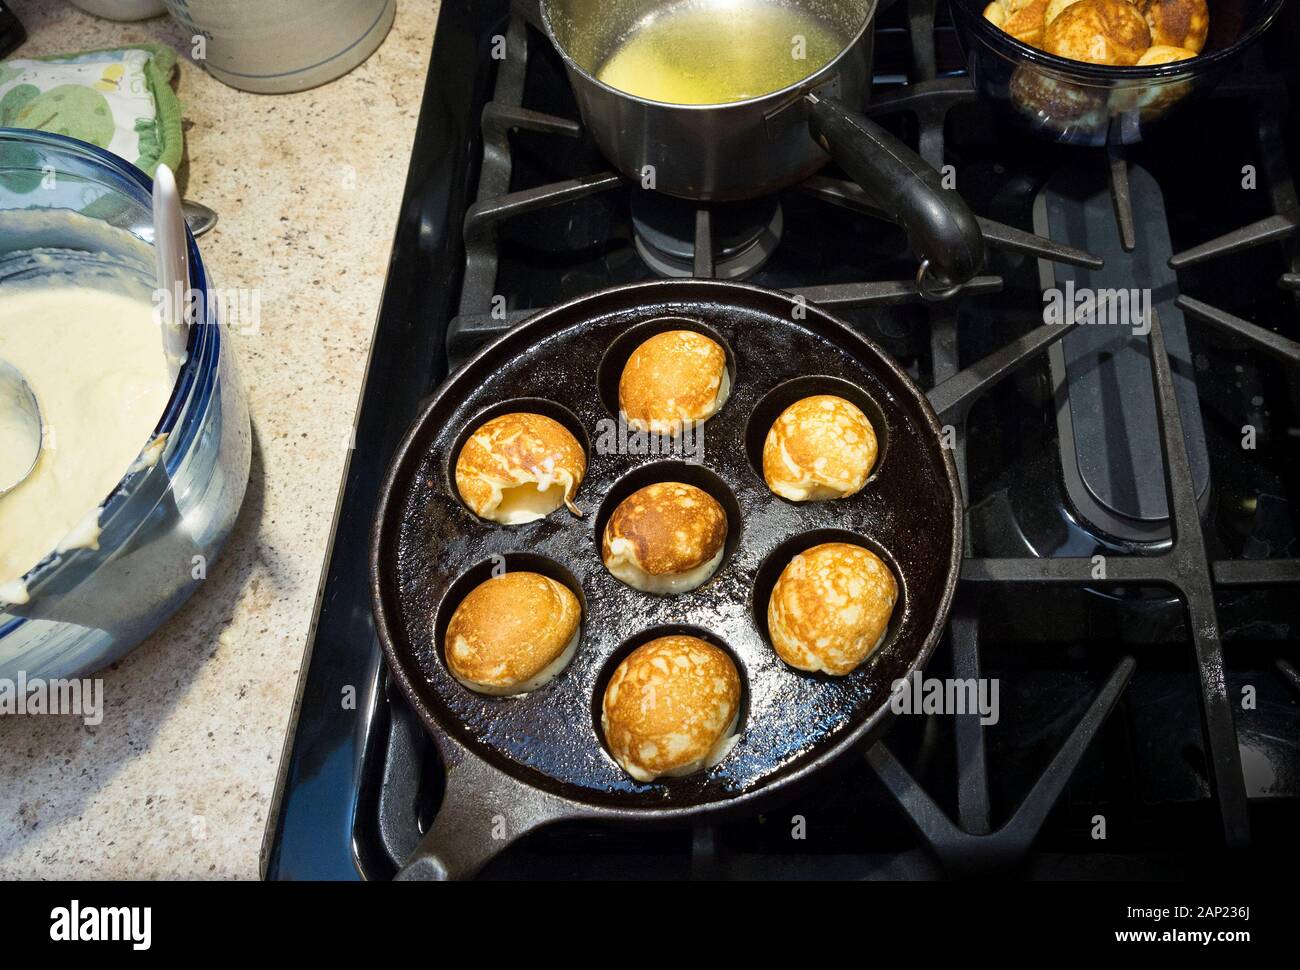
x=715, y=53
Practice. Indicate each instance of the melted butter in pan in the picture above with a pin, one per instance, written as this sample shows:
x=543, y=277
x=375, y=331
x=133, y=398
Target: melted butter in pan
x=720, y=53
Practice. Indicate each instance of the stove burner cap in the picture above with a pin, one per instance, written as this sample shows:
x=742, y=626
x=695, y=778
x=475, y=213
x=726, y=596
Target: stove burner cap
x=745, y=234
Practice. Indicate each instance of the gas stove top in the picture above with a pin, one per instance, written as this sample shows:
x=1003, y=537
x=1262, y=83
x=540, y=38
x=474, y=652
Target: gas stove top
x=1132, y=550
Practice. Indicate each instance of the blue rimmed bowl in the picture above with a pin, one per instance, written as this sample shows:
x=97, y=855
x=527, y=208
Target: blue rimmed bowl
x=69, y=210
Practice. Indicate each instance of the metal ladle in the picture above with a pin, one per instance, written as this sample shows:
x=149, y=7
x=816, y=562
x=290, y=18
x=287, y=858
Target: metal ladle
x=21, y=430
x=199, y=216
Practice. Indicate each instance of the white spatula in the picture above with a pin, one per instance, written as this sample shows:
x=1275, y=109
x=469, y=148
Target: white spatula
x=169, y=245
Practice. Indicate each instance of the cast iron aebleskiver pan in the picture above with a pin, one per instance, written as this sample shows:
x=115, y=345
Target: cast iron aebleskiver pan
x=515, y=763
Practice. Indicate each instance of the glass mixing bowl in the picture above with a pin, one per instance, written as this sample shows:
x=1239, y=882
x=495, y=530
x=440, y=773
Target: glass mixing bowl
x=71, y=210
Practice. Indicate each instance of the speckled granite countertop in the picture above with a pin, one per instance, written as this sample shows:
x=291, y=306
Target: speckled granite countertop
x=177, y=779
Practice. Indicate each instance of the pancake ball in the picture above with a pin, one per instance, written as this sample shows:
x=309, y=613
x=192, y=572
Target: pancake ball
x=1022, y=19
x=1177, y=23
x=822, y=447
x=830, y=608
x=1058, y=105
x=1055, y=8
x=519, y=467
x=674, y=377
x=671, y=708
x=513, y=633
x=1164, y=54
x=665, y=538
x=1108, y=32
x=1153, y=100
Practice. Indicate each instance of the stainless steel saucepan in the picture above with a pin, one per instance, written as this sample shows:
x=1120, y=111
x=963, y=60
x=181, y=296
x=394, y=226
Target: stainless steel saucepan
x=756, y=146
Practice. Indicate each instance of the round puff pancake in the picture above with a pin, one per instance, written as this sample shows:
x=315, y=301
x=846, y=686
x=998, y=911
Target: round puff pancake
x=672, y=378
x=1055, y=8
x=519, y=467
x=512, y=633
x=1109, y=32
x=830, y=608
x=821, y=447
x=665, y=538
x=1177, y=23
x=671, y=708
x=1164, y=54
x=1022, y=19
x=1054, y=103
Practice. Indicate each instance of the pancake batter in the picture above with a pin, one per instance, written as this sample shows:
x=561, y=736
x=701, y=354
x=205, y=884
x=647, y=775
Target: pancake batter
x=96, y=362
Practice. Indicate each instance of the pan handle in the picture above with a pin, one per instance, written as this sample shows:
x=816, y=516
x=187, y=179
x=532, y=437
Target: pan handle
x=483, y=810
x=940, y=227
x=530, y=10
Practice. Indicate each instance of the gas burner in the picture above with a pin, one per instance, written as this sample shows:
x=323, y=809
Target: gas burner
x=1106, y=405
x=672, y=235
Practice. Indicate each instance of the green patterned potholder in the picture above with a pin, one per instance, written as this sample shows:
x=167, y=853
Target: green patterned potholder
x=119, y=99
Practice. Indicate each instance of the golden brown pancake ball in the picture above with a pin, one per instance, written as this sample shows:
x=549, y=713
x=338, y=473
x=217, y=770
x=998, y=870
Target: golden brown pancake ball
x=665, y=538
x=1055, y=103
x=1163, y=54
x=830, y=607
x=671, y=708
x=1177, y=23
x=1099, y=32
x=822, y=447
x=1054, y=9
x=1154, y=100
x=519, y=467
x=512, y=633
x=674, y=377
x=1022, y=19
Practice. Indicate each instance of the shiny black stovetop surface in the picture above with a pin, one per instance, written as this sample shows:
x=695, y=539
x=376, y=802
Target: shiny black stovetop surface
x=359, y=780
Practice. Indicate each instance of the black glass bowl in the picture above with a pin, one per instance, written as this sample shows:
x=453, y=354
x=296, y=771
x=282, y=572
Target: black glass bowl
x=1092, y=104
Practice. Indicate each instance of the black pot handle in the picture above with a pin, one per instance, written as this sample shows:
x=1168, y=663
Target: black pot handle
x=530, y=10
x=940, y=227
x=483, y=810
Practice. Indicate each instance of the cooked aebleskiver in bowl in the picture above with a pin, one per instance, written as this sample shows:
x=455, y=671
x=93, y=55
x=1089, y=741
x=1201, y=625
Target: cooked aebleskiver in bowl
x=1022, y=19
x=1106, y=32
x=671, y=708
x=1108, y=97
x=1164, y=54
x=519, y=467
x=1099, y=32
x=513, y=633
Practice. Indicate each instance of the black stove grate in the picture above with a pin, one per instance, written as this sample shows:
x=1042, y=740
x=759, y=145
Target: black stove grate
x=956, y=808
